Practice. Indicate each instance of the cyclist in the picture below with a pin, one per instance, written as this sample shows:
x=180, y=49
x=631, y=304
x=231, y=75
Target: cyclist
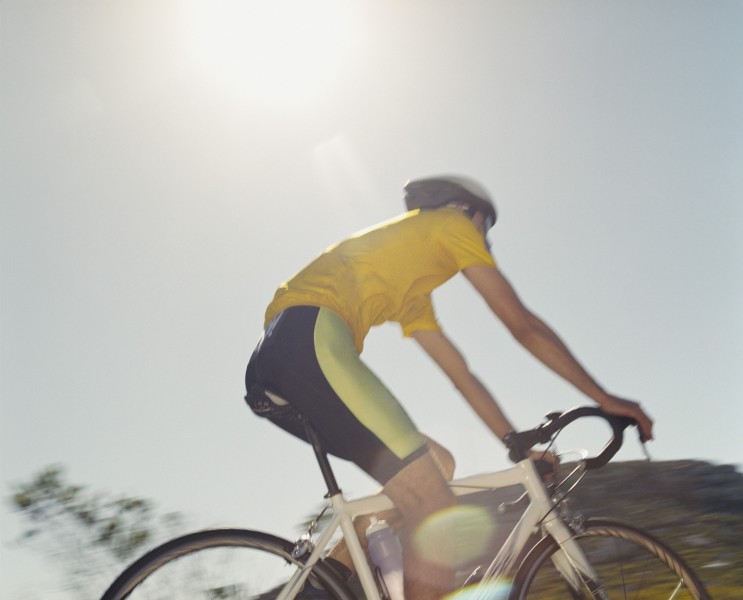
x=309, y=353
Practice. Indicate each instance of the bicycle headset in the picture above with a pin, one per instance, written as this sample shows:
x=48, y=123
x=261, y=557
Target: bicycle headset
x=435, y=192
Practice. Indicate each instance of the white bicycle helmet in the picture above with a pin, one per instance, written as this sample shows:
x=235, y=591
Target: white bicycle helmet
x=435, y=192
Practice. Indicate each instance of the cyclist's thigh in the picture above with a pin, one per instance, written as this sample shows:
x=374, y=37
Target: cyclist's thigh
x=309, y=358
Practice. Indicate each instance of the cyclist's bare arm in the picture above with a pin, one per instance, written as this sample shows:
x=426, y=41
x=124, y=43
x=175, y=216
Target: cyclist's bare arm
x=451, y=361
x=537, y=337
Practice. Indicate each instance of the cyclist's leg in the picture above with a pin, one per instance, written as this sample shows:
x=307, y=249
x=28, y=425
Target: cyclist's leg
x=413, y=479
x=442, y=457
x=421, y=493
x=445, y=463
x=308, y=358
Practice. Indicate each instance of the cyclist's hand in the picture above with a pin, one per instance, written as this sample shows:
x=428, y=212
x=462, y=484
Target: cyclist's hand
x=628, y=408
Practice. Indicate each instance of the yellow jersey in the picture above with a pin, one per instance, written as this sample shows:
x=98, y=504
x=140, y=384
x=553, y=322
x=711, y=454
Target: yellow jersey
x=386, y=273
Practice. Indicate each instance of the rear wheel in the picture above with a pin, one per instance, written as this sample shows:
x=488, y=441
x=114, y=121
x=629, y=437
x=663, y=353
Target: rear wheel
x=221, y=564
x=630, y=564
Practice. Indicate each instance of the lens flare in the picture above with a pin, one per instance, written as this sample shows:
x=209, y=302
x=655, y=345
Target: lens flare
x=455, y=537
x=486, y=591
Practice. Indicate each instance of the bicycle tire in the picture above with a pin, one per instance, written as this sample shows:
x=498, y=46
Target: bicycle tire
x=629, y=562
x=196, y=566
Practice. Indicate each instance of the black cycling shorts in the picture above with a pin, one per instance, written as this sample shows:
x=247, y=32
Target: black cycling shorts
x=307, y=357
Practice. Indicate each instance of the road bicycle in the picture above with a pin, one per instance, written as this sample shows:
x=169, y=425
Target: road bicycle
x=550, y=553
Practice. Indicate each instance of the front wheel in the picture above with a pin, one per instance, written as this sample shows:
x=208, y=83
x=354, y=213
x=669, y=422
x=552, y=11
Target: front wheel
x=628, y=562
x=218, y=564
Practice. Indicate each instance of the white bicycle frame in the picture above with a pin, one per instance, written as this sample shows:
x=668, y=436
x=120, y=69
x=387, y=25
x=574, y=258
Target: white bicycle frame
x=539, y=514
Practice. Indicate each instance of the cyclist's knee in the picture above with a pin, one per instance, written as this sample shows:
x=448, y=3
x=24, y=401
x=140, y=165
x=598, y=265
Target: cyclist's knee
x=442, y=457
x=420, y=489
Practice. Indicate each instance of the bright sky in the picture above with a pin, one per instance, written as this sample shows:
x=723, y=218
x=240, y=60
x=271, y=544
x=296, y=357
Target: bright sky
x=165, y=164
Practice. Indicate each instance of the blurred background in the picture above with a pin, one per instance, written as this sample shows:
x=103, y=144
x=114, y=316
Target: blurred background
x=165, y=164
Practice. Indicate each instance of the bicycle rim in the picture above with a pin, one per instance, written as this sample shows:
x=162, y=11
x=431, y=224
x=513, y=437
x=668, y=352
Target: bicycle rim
x=218, y=565
x=630, y=565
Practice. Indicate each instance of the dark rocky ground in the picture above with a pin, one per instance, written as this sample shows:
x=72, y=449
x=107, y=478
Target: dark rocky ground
x=695, y=507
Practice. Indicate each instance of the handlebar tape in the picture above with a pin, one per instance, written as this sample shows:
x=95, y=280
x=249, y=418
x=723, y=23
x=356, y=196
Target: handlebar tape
x=519, y=443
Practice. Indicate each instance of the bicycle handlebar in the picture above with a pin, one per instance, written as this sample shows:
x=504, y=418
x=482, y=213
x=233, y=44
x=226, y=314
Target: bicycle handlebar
x=519, y=443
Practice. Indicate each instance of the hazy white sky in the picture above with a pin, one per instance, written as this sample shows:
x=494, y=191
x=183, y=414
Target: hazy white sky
x=165, y=164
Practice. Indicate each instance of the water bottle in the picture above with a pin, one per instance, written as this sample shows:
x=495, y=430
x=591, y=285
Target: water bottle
x=386, y=555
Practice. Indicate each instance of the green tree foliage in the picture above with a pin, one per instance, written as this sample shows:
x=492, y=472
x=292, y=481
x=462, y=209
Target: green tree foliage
x=91, y=534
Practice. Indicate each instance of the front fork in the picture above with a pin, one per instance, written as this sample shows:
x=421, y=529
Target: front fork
x=569, y=559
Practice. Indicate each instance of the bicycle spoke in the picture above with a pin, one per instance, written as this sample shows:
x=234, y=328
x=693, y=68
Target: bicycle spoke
x=629, y=566
x=216, y=565
x=216, y=574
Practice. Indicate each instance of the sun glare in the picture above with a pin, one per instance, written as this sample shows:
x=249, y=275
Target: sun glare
x=278, y=51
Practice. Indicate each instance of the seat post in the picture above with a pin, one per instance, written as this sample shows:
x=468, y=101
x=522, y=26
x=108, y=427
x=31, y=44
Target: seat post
x=322, y=460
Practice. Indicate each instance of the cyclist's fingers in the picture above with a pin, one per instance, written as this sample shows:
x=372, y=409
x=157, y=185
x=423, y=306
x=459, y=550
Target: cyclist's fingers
x=644, y=422
x=646, y=428
x=630, y=408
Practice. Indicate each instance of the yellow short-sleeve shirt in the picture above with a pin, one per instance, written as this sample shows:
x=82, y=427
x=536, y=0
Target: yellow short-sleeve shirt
x=387, y=273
